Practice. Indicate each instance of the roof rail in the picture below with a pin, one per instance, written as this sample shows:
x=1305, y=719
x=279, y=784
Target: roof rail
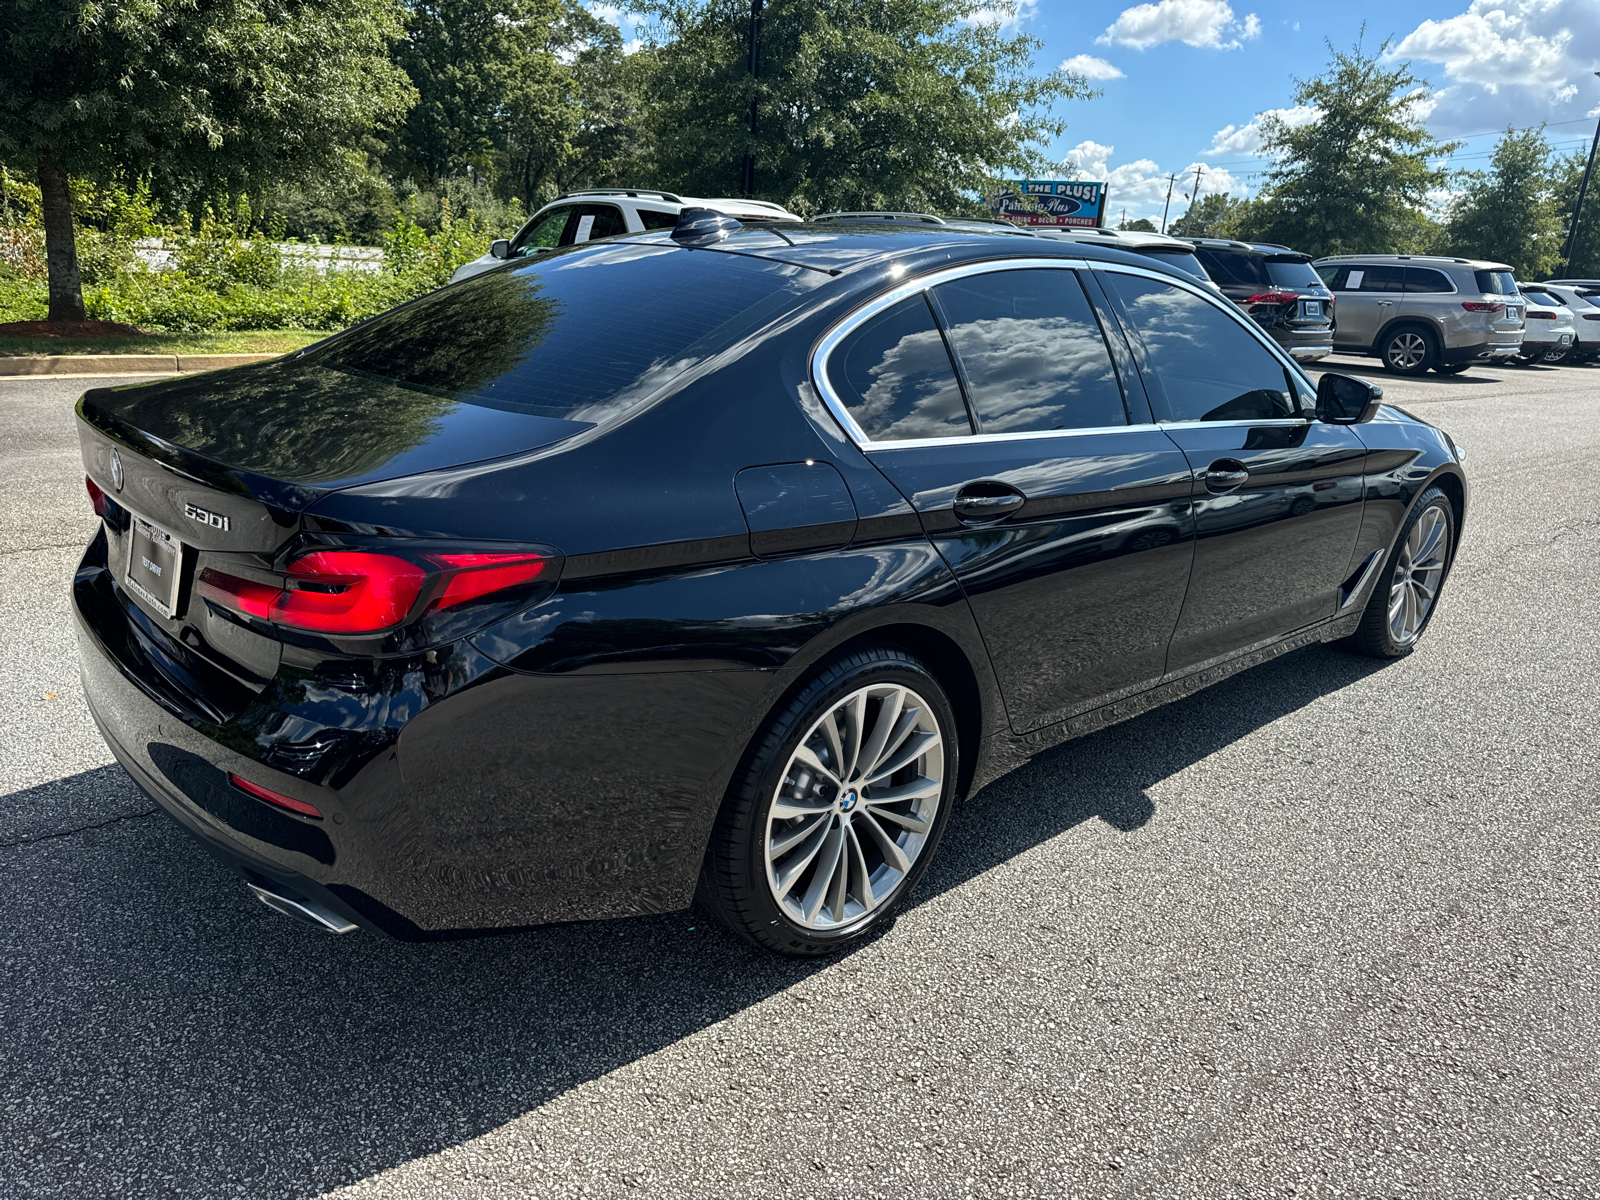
x=879, y=215
x=670, y=197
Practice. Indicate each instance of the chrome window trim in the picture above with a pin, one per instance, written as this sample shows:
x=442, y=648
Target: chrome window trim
x=974, y=439
x=1265, y=423
x=848, y=324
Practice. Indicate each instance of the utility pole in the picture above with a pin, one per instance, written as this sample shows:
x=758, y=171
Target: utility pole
x=747, y=173
x=1124, y=224
x=1171, y=179
x=1577, y=209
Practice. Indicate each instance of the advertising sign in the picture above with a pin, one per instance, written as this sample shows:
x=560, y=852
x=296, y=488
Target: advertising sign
x=1052, y=202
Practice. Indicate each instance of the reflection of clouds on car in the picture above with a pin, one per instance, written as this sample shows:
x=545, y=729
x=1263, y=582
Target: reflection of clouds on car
x=900, y=374
x=1034, y=369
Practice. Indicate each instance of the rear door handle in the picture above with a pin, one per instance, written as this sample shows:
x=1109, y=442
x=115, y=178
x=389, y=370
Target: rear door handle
x=986, y=501
x=1226, y=474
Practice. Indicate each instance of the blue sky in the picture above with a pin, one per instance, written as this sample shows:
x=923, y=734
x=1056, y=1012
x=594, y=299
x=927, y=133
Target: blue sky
x=1184, y=81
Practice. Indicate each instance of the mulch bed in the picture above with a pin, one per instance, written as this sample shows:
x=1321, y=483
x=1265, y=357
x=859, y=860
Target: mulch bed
x=69, y=329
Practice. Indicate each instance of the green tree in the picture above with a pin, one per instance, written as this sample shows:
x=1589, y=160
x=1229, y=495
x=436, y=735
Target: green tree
x=1510, y=213
x=204, y=98
x=1356, y=179
x=1209, y=216
x=1139, y=225
x=907, y=104
x=1566, y=176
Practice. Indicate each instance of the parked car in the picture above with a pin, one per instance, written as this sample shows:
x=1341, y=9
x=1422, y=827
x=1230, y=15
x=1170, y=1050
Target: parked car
x=594, y=213
x=1584, y=303
x=1277, y=287
x=1549, y=330
x=722, y=557
x=1417, y=311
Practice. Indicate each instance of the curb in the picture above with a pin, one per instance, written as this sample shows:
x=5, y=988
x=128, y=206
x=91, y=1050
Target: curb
x=123, y=364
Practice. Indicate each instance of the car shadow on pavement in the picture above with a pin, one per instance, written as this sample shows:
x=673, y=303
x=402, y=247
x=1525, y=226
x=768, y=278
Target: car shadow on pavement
x=1372, y=369
x=166, y=1035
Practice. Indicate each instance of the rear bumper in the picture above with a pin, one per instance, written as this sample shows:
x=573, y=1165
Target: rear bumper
x=1479, y=351
x=476, y=801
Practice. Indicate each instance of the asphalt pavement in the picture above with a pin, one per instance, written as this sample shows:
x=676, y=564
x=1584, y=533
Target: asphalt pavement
x=1326, y=929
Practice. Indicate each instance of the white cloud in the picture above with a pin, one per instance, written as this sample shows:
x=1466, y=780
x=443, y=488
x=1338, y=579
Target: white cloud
x=607, y=12
x=1245, y=140
x=1006, y=15
x=1208, y=24
x=1091, y=67
x=1516, y=62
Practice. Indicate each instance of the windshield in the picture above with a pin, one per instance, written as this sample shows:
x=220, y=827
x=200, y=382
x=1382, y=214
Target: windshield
x=1182, y=259
x=1292, y=272
x=1496, y=283
x=1546, y=298
x=578, y=334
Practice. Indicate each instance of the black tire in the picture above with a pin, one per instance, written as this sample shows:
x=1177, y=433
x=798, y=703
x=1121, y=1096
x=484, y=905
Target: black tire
x=1408, y=350
x=734, y=881
x=1374, y=636
x=1451, y=368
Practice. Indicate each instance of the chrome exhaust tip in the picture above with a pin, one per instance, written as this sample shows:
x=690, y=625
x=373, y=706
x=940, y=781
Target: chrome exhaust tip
x=308, y=911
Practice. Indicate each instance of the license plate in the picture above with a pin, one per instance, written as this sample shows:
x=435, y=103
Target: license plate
x=1311, y=308
x=155, y=561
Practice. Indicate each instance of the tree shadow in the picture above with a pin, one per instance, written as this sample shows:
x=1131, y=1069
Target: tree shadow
x=165, y=1034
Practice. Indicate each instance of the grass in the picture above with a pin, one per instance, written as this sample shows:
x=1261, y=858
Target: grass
x=259, y=341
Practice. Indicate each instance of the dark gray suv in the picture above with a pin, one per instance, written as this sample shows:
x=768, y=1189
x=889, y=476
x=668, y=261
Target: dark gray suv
x=1277, y=288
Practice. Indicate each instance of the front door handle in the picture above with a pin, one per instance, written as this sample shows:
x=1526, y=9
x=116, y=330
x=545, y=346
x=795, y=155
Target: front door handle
x=1226, y=474
x=986, y=501
x=1386, y=303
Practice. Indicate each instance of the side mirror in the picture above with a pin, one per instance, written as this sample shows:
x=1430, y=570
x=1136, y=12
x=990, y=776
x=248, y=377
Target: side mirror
x=500, y=248
x=1346, y=400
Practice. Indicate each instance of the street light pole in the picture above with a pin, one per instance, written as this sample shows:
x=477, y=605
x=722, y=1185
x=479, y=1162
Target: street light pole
x=1577, y=209
x=747, y=173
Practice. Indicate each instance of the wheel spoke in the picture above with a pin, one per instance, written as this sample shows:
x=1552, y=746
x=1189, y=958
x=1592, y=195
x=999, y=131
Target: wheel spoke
x=830, y=734
x=807, y=757
x=1431, y=543
x=1397, y=601
x=892, y=854
x=913, y=747
x=827, y=867
x=783, y=843
x=921, y=786
x=895, y=741
x=858, y=860
x=855, y=714
x=888, y=716
x=904, y=820
x=796, y=866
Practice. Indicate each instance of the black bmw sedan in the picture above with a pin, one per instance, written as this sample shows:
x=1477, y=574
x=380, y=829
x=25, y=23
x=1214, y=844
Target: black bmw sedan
x=716, y=561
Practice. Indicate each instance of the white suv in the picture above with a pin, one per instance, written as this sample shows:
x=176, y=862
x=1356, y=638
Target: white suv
x=584, y=216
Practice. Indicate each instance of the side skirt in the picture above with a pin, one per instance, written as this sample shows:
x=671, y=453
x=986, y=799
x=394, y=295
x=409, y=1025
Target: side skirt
x=1004, y=753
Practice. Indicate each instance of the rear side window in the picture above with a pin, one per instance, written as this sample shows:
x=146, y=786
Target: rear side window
x=1426, y=279
x=894, y=375
x=657, y=220
x=1031, y=352
x=1233, y=268
x=543, y=338
x=1208, y=366
x=1292, y=272
x=595, y=221
x=1374, y=279
x=1496, y=283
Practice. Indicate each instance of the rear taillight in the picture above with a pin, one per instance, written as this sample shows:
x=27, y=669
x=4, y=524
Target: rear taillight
x=1481, y=306
x=1274, y=298
x=277, y=798
x=364, y=591
x=97, y=496
x=1538, y=316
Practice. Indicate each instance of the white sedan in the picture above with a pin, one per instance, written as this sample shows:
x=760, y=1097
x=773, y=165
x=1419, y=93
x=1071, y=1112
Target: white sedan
x=1548, y=330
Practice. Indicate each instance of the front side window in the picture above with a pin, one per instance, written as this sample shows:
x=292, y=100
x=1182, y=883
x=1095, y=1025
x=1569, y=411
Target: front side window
x=544, y=234
x=595, y=221
x=1375, y=279
x=894, y=375
x=1031, y=352
x=1426, y=279
x=1209, y=367
x=1496, y=283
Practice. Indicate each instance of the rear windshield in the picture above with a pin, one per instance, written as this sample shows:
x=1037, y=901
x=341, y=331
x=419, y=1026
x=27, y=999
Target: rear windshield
x=582, y=335
x=1240, y=268
x=1496, y=283
x=1183, y=260
x=1292, y=272
x=1550, y=300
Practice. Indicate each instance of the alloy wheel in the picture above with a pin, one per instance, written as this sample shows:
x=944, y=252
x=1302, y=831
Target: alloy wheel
x=855, y=807
x=1419, y=569
x=1407, y=350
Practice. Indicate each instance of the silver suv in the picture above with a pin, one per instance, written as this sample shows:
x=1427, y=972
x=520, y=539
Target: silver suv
x=1416, y=311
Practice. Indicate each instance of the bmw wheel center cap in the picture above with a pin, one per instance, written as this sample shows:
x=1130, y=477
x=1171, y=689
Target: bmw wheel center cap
x=848, y=802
